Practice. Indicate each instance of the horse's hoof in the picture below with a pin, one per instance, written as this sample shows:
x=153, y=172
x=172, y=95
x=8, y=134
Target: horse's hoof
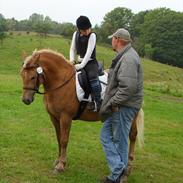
x=56, y=171
x=59, y=167
x=56, y=162
x=129, y=169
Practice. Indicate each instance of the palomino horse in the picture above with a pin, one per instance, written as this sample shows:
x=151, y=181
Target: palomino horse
x=59, y=81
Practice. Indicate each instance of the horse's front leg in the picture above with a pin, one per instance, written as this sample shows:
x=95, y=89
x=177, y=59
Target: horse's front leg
x=56, y=124
x=65, y=125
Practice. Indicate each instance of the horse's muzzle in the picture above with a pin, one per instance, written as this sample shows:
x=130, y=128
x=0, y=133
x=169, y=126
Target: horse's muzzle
x=27, y=101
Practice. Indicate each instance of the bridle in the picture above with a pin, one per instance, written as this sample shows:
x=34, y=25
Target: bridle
x=36, y=88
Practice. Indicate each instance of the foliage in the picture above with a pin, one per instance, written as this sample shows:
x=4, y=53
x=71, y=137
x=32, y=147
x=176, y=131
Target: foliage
x=135, y=31
x=2, y=36
x=3, y=28
x=12, y=24
x=119, y=17
x=163, y=29
x=137, y=22
x=67, y=29
x=148, y=51
x=40, y=24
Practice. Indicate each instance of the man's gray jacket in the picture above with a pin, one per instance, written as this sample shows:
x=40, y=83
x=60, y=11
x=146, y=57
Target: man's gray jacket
x=125, y=82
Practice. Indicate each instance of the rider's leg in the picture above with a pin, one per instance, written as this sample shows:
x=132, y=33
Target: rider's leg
x=92, y=73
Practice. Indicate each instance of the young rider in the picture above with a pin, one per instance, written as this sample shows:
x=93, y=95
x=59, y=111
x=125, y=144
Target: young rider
x=84, y=45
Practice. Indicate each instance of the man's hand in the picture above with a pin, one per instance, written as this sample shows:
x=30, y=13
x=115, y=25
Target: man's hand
x=114, y=108
x=78, y=67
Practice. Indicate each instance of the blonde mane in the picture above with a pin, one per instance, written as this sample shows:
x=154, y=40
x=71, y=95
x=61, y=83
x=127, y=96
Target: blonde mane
x=45, y=51
x=50, y=51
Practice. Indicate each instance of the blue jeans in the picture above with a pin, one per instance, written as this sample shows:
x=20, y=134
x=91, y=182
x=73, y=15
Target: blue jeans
x=114, y=138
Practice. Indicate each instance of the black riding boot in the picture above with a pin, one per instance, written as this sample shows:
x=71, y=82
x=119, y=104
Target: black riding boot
x=96, y=90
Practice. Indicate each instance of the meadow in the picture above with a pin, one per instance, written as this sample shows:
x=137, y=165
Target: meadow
x=28, y=144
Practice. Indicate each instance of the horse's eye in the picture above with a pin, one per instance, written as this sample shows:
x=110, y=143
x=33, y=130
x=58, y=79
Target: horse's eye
x=33, y=77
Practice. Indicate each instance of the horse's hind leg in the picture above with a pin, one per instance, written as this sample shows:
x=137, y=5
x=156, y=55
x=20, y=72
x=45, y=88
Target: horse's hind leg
x=65, y=125
x=132, y=136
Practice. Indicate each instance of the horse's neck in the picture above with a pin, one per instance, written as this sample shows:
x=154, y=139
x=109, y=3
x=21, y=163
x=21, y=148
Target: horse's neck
x=56, y=71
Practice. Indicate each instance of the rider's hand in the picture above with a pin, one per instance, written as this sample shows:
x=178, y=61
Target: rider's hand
x=78, y=67
x=73, y=62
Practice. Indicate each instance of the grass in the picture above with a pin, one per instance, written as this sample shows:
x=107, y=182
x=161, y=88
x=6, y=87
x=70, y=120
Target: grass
x=27, y=139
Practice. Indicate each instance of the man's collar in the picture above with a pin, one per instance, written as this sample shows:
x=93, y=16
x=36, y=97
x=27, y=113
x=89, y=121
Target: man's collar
x=122, y=50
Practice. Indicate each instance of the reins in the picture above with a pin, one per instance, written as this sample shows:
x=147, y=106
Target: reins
x=60, y=86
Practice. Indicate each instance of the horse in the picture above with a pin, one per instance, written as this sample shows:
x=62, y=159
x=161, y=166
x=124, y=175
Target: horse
x=58, y=77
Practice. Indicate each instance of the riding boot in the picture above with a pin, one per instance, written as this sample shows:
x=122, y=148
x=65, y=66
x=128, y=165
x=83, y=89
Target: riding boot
x=96, y=90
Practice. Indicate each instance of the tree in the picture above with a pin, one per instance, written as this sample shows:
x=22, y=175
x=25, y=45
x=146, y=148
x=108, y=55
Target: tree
x=3, y=28
x=12, y=24
x=2, y=23
x=67, y=29
x=40, y=24
x=137, y=22
x=148, y=51
x=46, y=25
x=163, y=30
x=117, y=18
x=56, y=28
x=135, y=31
x=36, y=22
x=24, y=25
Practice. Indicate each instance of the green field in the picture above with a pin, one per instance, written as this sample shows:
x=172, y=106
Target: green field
x=28, y=144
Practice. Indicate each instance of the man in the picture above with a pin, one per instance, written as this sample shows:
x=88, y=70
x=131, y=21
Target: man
x=122, y=101
x=84, y=45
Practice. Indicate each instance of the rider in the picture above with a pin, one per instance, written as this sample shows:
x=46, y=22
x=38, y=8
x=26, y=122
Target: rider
x=84, y=45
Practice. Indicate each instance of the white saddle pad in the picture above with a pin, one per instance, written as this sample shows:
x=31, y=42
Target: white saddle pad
x=80, y=91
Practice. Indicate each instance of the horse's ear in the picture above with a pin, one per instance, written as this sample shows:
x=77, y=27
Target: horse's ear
x=24, y=54
x=37, y=57
x=35, y=60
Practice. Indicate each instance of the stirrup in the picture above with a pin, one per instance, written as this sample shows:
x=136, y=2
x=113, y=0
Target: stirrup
x=95, y=106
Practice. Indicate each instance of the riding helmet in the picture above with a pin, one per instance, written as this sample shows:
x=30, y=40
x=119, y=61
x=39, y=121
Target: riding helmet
x=83, y=23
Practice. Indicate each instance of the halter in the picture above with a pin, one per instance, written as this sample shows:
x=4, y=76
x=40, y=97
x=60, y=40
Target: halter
x=36, y=89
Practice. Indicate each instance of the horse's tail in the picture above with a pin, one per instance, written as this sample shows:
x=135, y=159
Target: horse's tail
x=140, y=127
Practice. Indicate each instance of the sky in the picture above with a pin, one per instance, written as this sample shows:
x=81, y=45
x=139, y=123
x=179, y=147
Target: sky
x=69, y=10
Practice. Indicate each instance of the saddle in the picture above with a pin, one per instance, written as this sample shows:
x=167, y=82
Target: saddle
x=84, y=84
x=83, y=80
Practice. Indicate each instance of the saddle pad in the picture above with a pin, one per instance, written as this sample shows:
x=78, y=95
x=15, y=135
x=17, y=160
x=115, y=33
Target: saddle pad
x=80, y=91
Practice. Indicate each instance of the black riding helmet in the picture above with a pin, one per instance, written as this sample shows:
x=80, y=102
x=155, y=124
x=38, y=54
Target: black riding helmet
x=83, y=23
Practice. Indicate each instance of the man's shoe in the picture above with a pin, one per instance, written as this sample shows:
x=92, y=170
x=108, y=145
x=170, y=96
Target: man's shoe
x=107, y=180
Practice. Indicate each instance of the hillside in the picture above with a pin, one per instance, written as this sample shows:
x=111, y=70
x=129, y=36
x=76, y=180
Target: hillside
x=157, y=76
x=27, y=138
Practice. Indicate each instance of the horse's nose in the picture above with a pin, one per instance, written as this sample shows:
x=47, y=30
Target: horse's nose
x=26, y=101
